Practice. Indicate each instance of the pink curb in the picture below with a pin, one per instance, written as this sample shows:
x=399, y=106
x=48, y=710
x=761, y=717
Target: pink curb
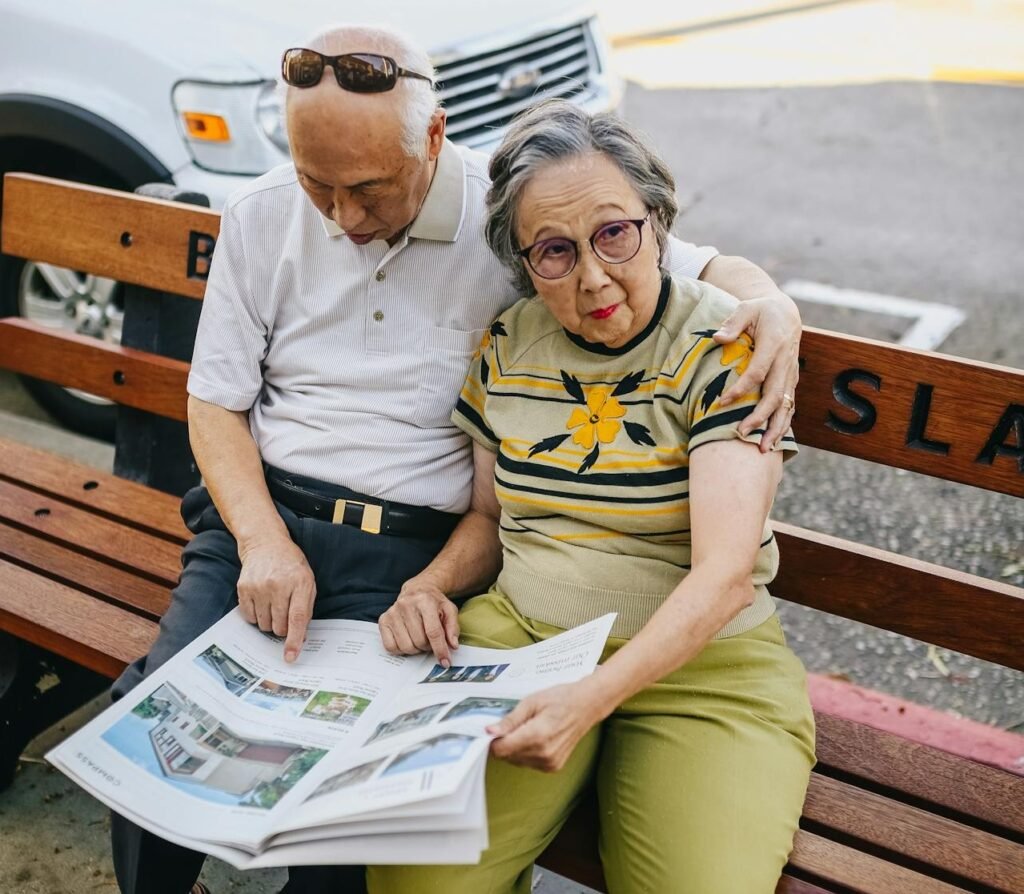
x=926, y=726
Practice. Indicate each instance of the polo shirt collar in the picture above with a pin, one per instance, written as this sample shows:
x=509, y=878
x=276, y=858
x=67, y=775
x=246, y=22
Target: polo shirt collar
x=444, y=208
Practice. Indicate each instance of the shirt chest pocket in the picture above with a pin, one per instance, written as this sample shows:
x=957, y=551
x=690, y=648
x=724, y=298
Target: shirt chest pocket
x=445, y=356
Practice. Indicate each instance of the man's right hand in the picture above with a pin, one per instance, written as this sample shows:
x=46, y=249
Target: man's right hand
x=423, y=619
x=276, y=590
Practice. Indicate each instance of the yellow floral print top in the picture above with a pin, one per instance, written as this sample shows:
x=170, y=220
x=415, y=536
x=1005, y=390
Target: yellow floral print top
x=593, y=447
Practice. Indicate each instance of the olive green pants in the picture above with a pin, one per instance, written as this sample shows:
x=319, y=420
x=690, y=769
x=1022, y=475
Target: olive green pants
x=700, y=778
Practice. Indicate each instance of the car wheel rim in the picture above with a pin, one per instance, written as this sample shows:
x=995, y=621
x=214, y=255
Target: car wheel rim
x=61, y=298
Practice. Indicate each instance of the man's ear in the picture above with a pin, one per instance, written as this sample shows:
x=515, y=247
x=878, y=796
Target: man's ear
x=435, y=133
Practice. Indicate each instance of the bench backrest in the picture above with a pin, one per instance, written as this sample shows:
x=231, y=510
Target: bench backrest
x=958, y=420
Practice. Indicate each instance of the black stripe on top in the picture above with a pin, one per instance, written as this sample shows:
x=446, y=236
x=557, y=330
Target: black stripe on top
x=624, y=479
x=710, y=422
x=597, y=498
x=464, y=409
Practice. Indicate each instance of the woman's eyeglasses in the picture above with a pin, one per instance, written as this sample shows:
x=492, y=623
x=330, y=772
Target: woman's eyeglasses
x=615, y=243
x=357, y=72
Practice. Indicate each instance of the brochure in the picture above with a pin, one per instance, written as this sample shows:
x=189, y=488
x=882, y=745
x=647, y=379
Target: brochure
x=348, y=755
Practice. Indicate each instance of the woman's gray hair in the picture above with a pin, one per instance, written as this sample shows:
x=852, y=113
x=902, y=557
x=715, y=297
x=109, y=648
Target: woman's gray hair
x=419, y=98
x=553, y=130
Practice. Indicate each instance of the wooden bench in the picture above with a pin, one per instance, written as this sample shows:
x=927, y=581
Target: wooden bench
x=87, y=560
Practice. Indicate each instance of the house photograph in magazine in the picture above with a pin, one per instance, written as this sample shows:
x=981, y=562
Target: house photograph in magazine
x=350, y=777
x=226, y=670
x=443, y=749
x=478, y=706
x=177, y=741
x=409, y=720
x=336, y=707
x=273, y=696
x=485, y=673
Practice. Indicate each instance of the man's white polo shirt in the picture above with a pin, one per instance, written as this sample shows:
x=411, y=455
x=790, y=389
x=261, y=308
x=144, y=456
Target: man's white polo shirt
x=350, y=358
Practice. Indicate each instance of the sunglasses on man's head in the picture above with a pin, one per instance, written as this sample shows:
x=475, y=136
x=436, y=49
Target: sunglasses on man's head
x=357, y=72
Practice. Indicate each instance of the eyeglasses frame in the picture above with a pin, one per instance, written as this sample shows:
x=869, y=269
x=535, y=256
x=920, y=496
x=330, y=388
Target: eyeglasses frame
x=524, y=253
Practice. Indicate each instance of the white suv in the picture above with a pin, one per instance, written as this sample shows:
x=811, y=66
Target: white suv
x=124, y=92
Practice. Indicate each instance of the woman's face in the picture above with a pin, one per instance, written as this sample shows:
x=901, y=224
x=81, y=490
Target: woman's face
x=603, y=302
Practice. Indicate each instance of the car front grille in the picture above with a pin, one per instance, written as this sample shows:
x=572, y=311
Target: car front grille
x=552, y=64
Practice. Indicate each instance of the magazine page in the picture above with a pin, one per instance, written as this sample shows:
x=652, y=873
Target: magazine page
x=458, y=837
x=421, y=745
x=466, y=809
x=221, y=735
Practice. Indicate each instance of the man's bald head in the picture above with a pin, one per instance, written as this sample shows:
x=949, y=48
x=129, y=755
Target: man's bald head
x=413, y=101
x=366, y=159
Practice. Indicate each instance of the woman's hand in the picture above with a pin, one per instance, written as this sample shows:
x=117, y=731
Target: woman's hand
x=544, y=728
x=423, y=619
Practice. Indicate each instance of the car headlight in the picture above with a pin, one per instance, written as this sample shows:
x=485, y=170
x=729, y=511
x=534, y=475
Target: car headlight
x=231, y=128
x=270, y=113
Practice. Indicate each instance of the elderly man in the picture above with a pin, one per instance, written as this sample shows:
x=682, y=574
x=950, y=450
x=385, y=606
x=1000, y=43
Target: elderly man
x=348, y=294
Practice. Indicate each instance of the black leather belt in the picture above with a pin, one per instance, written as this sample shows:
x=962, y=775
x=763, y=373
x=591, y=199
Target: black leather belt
x=333, y=503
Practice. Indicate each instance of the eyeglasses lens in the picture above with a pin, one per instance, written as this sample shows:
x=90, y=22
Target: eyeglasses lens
x=553, y=258
x=617, y=242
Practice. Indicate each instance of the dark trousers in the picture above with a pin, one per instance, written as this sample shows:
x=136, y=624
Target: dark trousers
x=358, y=576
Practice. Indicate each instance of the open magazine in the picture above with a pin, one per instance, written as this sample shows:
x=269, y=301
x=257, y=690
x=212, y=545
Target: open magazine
x=348, y=755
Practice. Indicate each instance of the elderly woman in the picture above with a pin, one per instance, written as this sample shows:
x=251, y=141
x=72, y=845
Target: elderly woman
x=623, y=484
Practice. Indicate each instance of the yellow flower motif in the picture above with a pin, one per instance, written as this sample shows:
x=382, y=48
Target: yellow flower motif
x=599, y=420
x=741, y=350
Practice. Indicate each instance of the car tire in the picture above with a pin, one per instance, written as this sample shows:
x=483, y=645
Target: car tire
x=81, y=413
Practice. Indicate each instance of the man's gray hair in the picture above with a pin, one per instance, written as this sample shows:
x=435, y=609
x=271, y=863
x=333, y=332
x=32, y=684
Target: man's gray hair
x=419, y=98
x=554, y=130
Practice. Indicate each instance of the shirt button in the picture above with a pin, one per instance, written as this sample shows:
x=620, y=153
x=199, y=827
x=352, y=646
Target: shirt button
x=378, y=315
x=380, y=276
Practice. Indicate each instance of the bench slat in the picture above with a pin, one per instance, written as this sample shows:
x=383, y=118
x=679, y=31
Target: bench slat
x=925, y=775
x=85, y=487
x=78, y=226
x=838, y=864
x=909, y=835
x=98, y=636
x=789, y=885
x=938, y=605
x=124, y=375
x=113, y=585
x=967, y=402
x=98, y=537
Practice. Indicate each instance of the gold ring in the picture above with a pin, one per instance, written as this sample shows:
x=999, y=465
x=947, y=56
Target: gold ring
x=788, y=402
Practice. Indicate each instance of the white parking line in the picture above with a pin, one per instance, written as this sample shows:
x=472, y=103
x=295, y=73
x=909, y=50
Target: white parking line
x=932, y=322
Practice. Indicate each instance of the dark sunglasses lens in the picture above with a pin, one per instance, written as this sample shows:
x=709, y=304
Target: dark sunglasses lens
x=302, y=68
x=365, y=72
x=553, y=258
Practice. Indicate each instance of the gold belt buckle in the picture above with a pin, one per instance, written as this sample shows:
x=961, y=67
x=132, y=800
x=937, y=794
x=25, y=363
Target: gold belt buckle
x=372, y=515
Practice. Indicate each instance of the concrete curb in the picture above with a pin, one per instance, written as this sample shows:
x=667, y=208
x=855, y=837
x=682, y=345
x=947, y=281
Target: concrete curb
x=926, y=726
